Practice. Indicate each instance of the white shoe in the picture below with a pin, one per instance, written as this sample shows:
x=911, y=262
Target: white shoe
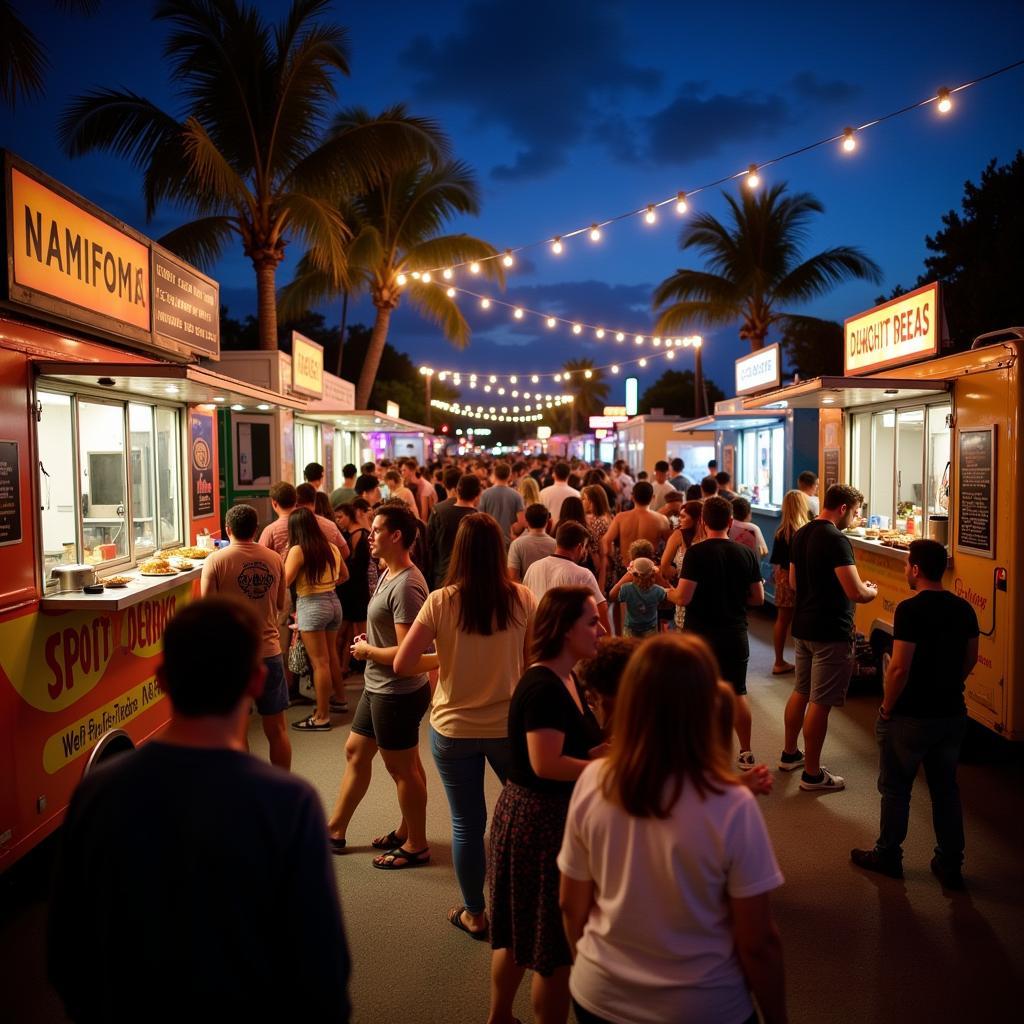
x=827, y=782
x=745, y=762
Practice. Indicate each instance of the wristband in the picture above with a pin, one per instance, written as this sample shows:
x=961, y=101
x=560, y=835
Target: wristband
x=882, y=714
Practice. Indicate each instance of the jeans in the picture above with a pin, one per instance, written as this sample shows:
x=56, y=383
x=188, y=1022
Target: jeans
x=904, y=744
x=460, y=763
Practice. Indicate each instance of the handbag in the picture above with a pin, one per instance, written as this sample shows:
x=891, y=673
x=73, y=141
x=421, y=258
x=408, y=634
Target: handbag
x=298, y=659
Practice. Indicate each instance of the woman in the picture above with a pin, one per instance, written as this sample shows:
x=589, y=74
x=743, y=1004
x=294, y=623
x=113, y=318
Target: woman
x=600, y=677
x=666, y=862
x=354, y=593
x=599, y=518
x=553, y=735
x=689, y=531
x=531, y=496
x=315, y=567
x=322, y=505
x=479, y=622
x=398, y=490
x=795, y=514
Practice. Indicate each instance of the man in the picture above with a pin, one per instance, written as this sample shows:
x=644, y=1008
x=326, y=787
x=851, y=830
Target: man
x=724, y=480
x=444, y=524
x=743, y=531
x=254, y=574
x=391, y=707
x=719, y=579
x=808, y=483
x=502, y=502
x=275, y=537
x=638, y=523
x=708, y=488
x=239, y=892
x=422, y=489
x=824, y=575
x=347, y=491
x=536, y=543
x=562, y=568
x=712, y=467
x=313, y=474
x=551, y=497
x=622, y=482
x=451, y=479
x=661, y=485
x=923, y=717
x=368, y=488
x=673, y=505
x=679, y=481
x=305, y=497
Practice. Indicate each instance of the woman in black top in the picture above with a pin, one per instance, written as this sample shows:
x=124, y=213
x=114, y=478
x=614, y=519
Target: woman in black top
x=795, y=514
x=553, y=736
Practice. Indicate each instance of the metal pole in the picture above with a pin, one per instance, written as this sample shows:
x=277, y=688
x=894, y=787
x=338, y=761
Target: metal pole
x=699, y=398
x=426, y=379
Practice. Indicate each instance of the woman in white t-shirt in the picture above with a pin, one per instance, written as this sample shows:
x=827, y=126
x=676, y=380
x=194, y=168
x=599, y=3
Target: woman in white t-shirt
x=666, y=862
x=479, y=623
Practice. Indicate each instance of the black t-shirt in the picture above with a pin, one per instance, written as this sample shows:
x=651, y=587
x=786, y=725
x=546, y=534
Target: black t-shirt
x=205, y=874
x=723, y=571
x=823, y=611
x=441, y=530
x=939, y=624
x=541, y=701
x=781, y=551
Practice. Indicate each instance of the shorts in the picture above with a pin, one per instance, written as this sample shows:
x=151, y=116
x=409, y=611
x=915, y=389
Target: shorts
x=785, y=595
x=274, y=698
x=318, y=612
x=823, y=670
x=392, y=720
x=640, y=632
x=732, y=652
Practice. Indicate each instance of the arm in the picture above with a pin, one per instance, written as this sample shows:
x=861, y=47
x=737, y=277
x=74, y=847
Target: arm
x=792, y=576
x=386, y=655
x=853, y=588
x=611, y=537
x=575, y=899
x=755, y=595
x=759, y=949
x=668, y=570
x=602, y=614
x=293, y=563
x=412, y=648
x=544, y=747
x=515, y=564
x=896, y=675
x=613, y=594
x=342, y=568
x=208, y=582
x=683, y=593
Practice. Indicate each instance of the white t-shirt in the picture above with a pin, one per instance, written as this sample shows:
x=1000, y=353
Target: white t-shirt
x=555, y=571
x=750, y=536
x=658, y=945
x=552, y=497
x=813, y=505
x=660, y=490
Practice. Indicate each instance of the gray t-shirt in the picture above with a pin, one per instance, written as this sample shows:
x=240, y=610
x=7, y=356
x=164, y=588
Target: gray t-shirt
x=396, y=599
x=527, y=549
x=504, y=504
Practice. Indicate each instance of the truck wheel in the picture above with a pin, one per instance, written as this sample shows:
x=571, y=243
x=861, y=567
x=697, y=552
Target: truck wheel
x=881, y=643
x=111, y=744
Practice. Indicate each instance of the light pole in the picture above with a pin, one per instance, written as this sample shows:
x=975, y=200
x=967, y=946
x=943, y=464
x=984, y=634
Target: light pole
x=428, y=373
x=699, y=398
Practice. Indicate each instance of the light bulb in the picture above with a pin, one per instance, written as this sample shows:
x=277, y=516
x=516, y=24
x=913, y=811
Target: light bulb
x=650, y=216
x=681, y=206
x=474, y=267
x=416, y=275
x=595, y=233
x=400, y=280
x=588, y=374
x=620, y=336
x=577, y=328
x=447, y=274
x=501, y=391
x=697, y=342
x=487, y=387
x=423, y=370
x=515, y=394
x=849, y=142
x=450, y=292
x=535, y=379
x=670, y=354
x=639, y=339
x=472, y=383
x=615, y=368
x=442, y=375
x=656, y=342
x=518, y=313
x=945, y=103
x=753, y=178
x=493, y=379
x=643, y=362
x=551, y=321
x=425, y=277
x=556, y=245
x=599, y=333
x=513, y=379
x=485, y=303
x=507, y=258
x=686, y=342
x=558, y=378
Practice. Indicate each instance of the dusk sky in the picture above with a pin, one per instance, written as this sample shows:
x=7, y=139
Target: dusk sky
x=572, y=112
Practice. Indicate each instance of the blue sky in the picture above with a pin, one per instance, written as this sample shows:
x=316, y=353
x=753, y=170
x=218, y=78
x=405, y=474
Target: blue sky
x=575, y=111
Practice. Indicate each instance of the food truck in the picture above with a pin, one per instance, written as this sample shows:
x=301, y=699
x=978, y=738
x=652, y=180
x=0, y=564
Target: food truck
x=108, y=463
x=643, y=440
x=933, y=443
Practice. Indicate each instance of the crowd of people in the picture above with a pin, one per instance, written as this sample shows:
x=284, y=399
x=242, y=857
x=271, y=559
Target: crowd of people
x=582, y=631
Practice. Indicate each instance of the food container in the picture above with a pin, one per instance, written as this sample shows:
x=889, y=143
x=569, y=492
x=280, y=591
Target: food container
x=938, y=529
x=72, y=578
x=107, y=551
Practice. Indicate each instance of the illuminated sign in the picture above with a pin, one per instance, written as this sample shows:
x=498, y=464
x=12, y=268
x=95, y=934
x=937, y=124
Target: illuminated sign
x=615, y=410
x=392, y=409
x=606, y=422
x=901, y=331
x=186, y=304
x=307, y=366
x=760, y=371
x=632, y=395
x=543, y=433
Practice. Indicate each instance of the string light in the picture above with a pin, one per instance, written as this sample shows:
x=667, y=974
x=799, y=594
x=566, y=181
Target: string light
x=753, y=178
x=425, y=277
x=507, y=258
x=681, y=206
x=535, y=379
x=619, y=336
x=639, y=339
x=450, y=292
x=599, y=333
x=447, y=273
x=650, y=216
x=416, y=275
x=485, y=303
x=849, y=142
x=577, y=328
x=642, y=362
x=400, y=280
x=552, y=322
x=588, y=374
x=595, y=233
x=614, y=368
x=474, y=267
x=945, y=104
x=518, y=314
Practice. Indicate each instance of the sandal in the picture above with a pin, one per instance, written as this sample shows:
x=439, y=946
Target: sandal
x=310, y=724
x=455, y=918
x=337, y=845
x=408, y=858
x=388, y=842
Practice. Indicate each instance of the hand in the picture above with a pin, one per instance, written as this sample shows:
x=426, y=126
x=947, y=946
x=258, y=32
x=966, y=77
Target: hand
x=759, y=780
x=601, y=750
x=360, y=650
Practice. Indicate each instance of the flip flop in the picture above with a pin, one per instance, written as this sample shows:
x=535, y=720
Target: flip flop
x=409, y=859
x=388, y=842
x=455, y=918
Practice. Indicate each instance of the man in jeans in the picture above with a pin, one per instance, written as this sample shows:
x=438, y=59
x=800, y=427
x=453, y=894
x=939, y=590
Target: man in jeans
x=827, y=585
x=923, y=716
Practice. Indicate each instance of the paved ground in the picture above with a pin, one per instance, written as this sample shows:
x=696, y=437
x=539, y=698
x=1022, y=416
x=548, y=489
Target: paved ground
x=858, y=948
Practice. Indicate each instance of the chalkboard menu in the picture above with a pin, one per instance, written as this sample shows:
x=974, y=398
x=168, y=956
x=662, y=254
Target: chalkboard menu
x=976, y=470
x=186, y=306
x=831, y=467
x=10, y=493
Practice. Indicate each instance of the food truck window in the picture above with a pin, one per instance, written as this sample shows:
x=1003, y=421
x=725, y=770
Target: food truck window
x=103, y=474
x=56, y=481
x=860, y=452
x=879, y=493
x=937, y=469
x=168, y=477
x=910, y=469
x=143, y=478
x=761, y=466
x=307, y=447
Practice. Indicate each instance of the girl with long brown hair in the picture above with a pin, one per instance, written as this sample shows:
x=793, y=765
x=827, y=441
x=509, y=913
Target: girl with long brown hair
x=689, y=531
x=666, y=862
x=795, y=514
x=599, y=518
x=479, y=622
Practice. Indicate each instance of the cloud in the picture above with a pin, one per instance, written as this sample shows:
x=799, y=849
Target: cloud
x=542, y=72
x=807, y=85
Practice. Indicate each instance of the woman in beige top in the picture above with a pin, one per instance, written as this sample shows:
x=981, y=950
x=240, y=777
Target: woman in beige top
x=530, y=493
x=480, y=623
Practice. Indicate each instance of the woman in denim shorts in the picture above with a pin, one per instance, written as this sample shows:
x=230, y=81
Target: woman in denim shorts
x=315, y=567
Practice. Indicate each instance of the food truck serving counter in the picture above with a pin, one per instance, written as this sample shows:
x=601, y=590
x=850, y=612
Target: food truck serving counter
x=935, y=449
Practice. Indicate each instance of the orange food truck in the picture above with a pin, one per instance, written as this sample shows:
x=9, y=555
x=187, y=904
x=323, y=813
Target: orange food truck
x=108, y=460
x=934, y=443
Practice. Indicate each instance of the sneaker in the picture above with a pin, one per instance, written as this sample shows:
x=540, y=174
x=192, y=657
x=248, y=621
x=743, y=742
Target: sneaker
x=949, y=875
x=790, y=762
x=745, y=762
x=826, y=781
x=875, y=860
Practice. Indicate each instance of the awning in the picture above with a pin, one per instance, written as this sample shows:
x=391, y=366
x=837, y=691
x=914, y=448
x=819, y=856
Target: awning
x=738, y=420
x=844, y=392
x=181, y=383
x=366, y=421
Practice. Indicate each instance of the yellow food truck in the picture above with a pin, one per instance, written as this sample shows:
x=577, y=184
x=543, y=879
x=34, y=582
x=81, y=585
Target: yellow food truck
x=933, y=442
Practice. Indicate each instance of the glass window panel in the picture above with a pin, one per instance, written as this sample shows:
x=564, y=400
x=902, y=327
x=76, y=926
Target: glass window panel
x=860, y=453
x=938, y=460
x=56, y=481
x=762, y=489
x=778, y=465
x=141, y=471
x=307, y=447
x=910, y=469
x=101, y=460
x=168, y=478
x=881, y=500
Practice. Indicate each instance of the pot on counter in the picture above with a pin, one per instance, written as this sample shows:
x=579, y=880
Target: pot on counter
x=71, y=578
x=938, y=529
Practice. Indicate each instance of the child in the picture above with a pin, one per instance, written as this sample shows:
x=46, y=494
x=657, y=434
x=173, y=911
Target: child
x=641, y=596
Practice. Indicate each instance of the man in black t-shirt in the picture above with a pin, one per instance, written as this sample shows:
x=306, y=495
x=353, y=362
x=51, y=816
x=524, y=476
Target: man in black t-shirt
x=444, y=524
x=194, y=880
x=719, y=579
x=923, y=716
x=824, y=575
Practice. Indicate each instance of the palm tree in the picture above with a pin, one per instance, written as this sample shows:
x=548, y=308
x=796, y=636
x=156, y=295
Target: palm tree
x=248, y=157
x=394, y=229
x=588, y=388
x=753, y=271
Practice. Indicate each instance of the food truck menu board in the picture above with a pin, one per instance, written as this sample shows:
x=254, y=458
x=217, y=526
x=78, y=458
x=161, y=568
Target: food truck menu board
x=10, y=493
x=976, y=469
x=831, y=467
x=201, y=461
x=186, y=304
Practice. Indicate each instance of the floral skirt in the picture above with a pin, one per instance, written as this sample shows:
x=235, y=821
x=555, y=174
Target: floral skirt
x=526, y=835
x=785, y=595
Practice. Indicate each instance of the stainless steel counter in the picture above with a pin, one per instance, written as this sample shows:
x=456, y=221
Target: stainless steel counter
x=142, y=588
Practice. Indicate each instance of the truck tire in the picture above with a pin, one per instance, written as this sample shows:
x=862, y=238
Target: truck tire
x=112, y=743
x=881, y=644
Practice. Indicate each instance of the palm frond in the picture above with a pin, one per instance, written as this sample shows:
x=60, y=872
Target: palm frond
x=435, y=195
x=682, y=316
x=439, y=145
x=366, y=251
x=23, y=62
x=319, y=225
x=821, y=273
x=434, y=305
x=307, y=289
x=211, y=171
x=200, y=242
x=685, y=285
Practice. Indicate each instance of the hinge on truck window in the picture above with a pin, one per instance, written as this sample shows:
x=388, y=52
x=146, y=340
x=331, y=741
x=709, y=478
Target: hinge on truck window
x=39, y=411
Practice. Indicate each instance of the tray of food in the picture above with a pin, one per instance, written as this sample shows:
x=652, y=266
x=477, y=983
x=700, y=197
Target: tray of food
x=188, y=552
x=157, y=567
x=117, y=581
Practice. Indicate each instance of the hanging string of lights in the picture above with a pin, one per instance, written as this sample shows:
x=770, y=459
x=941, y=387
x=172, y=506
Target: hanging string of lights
x=493, y=413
